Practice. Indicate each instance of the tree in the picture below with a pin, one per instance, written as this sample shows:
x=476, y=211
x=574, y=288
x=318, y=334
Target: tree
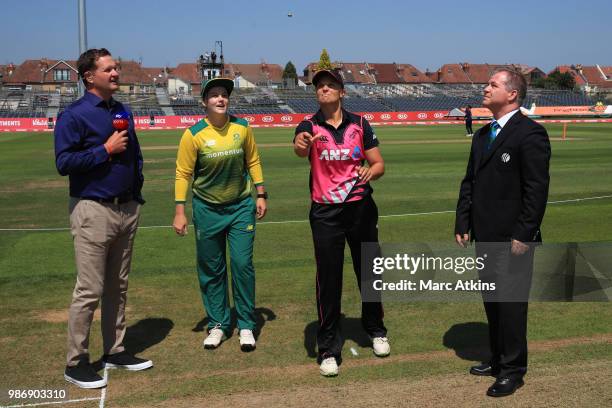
x=324, y=62
x=290, y=73
x=556, y=80
x=566, y=80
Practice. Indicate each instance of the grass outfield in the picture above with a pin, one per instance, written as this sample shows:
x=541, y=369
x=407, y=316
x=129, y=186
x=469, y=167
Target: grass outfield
x=432, y=343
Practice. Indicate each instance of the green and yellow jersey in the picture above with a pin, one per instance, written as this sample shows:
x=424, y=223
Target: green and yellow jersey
x=223, y=162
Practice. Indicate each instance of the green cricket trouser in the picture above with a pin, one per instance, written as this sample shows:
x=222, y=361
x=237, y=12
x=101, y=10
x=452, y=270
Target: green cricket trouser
x=214, y=224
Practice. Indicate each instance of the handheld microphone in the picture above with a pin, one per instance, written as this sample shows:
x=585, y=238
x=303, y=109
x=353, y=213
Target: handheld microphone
x=121, y=121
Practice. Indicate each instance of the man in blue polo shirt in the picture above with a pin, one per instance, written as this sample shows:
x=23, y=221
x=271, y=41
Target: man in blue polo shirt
x=104, y=165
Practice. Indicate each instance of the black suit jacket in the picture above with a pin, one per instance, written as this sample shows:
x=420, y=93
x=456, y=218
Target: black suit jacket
x=505, y=189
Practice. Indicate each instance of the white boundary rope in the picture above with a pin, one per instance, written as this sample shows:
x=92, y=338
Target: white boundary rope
x=573, y=200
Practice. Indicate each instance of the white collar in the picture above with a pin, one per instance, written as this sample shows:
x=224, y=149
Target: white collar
x=504, y=119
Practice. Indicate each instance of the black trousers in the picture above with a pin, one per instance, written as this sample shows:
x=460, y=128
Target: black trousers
x=506, y=309
x=332, y=225
x=468, y=126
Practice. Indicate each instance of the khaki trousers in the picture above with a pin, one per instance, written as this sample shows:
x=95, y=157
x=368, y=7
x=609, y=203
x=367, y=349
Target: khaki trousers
x=103, y=236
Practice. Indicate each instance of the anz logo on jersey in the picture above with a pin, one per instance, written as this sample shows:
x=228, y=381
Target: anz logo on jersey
x=341, y=154
x=335, y=154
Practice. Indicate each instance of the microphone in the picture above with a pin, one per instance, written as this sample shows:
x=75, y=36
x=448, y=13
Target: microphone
x=121, y=121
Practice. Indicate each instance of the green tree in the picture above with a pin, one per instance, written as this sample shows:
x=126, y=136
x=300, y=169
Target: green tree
x=290, y=73
x=556, y=80
x=324, y=62
x=566, y=81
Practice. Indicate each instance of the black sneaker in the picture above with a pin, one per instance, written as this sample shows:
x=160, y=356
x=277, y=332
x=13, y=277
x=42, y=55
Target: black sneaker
x=126, y=361
x=84, y=375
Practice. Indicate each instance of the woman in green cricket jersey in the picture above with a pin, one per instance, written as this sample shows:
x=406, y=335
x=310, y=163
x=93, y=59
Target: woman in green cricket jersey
x=220, y=155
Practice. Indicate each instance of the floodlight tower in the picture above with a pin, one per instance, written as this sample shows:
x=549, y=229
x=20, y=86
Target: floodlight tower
x=208, y=67
x=82, y=39
x=220, y=44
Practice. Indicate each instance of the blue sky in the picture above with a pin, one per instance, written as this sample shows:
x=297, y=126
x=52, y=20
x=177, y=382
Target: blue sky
x=426, y=34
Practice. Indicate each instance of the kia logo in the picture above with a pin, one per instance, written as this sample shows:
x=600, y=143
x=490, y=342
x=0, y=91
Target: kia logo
x=267, y=119
x=438, y=115
x=367, y=116
x=402, y=116
x=287, y=118
x=249, y=118
x=422, y=115
x=385, y=116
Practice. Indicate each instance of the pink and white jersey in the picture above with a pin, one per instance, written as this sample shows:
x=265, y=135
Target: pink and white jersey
x=333, y=177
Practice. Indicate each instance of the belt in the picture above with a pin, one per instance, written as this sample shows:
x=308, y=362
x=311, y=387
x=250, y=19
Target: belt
x=122, y=199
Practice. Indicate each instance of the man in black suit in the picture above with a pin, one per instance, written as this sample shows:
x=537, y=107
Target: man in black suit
x=501, y=205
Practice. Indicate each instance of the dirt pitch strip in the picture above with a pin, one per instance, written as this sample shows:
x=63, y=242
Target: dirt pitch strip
x=587, y=384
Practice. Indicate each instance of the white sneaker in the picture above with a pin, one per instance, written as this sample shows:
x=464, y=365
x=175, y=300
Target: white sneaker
x=215, y=337
x=329, y=367
x=381, y=346
x=247, y=340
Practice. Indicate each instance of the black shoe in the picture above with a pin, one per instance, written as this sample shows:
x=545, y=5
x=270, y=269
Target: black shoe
x=504, y=386
x=482, y=369
x=126, y=361
x=84, y=376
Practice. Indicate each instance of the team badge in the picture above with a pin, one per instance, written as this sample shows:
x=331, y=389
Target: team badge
x=505, y=157
x=356, y=155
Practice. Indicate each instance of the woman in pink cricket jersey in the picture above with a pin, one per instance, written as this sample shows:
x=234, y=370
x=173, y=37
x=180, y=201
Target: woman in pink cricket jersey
x=338, y=144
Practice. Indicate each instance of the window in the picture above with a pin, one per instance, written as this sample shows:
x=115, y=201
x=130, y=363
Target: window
x=61, y=75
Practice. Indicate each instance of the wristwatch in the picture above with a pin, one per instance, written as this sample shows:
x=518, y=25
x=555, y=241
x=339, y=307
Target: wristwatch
x=263, y=195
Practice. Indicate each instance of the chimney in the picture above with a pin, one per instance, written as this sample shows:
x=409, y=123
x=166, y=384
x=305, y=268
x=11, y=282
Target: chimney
x=44, y=64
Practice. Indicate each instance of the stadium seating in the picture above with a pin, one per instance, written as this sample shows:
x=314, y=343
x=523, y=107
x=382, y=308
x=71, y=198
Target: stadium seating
x=264, y=100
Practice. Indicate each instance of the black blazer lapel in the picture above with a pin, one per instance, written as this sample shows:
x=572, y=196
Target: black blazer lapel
x=501, y=137
x=480, y=144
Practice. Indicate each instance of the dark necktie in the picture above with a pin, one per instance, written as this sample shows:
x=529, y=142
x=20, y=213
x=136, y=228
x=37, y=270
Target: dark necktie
x=493, y=133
